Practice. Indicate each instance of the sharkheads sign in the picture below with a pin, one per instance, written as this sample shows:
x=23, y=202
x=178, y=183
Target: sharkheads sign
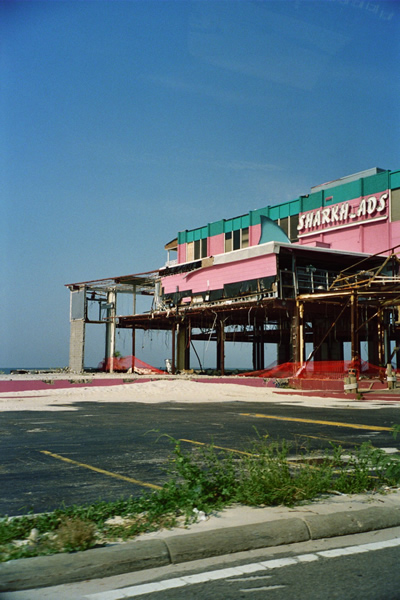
x=345, y=214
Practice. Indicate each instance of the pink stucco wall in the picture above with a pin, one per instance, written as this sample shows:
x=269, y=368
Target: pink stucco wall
x=373, y=238
x=181, y=253
x=358, y=225
x=394, y=234
x=214, y=278
x=254, y=234
x=216, y=243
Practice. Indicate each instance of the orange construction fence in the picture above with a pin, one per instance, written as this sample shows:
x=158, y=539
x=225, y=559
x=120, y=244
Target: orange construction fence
x=324, y=369
x=125, y=363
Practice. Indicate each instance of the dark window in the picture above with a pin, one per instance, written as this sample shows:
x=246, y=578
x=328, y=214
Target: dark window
x=284, y=224
x=228, y=241
x=236, y=239
x=293, y=232
x=197, y=250
x=200, y=249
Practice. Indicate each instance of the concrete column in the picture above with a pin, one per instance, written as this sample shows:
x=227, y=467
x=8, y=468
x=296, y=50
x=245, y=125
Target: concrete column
x=77, y=346
x=110, y=328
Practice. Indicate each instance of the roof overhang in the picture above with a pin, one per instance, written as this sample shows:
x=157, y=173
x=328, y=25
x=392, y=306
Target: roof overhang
x=141, y=283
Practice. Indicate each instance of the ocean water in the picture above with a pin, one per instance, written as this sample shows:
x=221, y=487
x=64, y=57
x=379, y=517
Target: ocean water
x=7, y=370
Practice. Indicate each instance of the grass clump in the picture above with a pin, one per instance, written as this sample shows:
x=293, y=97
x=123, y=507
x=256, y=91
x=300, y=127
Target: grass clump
x=75, y=534
x=204, y=479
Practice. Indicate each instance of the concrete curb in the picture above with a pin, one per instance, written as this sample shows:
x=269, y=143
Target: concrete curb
x=138, y=555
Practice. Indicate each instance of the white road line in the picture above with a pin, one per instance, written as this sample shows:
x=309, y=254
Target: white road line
x=186, y=580
x=279, y=562
x=256, y=578
x=263, y=589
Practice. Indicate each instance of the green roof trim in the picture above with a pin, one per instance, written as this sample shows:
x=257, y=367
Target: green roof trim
x=344, y=192
x=376, y=183
x=216, y=228
x=395, y=180
x=312, y=201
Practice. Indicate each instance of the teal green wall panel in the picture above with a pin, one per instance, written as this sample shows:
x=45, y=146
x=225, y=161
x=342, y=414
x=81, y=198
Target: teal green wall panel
x=295, y=207
x=255, y=215
x=237, y=223
x=245, y=221
x=395, y=180
x=284, y=210
x=274, y=213
x=228, y=225
x=345, y=192
x=182, y=237
x=216, y=228
x=312, y=201
x=376, y=183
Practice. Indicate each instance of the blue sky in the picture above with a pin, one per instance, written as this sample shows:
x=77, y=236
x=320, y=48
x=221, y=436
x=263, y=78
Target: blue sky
x=123, y=123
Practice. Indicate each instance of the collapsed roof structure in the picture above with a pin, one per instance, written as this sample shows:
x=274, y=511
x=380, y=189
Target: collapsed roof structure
x=321, y=270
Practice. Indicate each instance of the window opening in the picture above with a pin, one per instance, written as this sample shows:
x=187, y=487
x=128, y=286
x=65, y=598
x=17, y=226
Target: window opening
x=234, y=240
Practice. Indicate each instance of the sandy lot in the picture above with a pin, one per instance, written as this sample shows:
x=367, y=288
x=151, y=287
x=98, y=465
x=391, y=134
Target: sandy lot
x=185, y=391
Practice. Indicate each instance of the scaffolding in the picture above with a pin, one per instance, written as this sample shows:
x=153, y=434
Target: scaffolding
x=309, y=302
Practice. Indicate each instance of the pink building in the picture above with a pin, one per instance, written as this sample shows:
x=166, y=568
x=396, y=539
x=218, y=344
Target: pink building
x=319, y=272
x=355, y=214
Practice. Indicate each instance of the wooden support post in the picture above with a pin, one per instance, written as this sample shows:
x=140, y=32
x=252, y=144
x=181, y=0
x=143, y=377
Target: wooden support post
x=355, y=345
x=134, y=299
x=396, y=350
x=294, y=335
x=262, y=352
x=386, y=337
x=381, y=339
x=254, y=349
x=221, y=347
x=300, y=334
x=390, y=377
x=258, y=346
x=183, y=349
x=173, y=332
x=133, y=347
x=372, y=338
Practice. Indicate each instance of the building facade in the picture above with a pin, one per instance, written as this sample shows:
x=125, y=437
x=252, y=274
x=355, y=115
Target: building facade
x=321, y=269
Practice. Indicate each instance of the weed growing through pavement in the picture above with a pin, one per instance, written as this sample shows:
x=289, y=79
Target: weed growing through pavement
x=207, y=479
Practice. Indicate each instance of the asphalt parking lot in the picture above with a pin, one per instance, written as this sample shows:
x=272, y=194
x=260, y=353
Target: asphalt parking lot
x=104, y=451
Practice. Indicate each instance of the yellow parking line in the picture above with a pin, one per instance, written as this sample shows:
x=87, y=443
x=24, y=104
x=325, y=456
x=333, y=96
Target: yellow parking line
x=332, y=423
x=218, y=447
x=326, y=439
x=115, y=475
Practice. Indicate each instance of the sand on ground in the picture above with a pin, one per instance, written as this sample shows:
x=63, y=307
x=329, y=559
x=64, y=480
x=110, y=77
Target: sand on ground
x=173, y=390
